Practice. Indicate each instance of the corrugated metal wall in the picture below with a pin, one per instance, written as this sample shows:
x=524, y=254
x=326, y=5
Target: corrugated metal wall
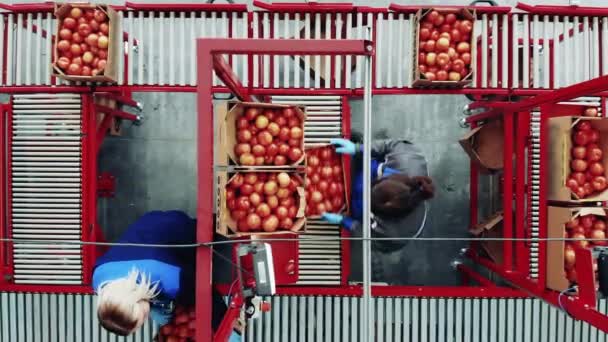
x=65, y=318
x=426, y=320
x=28, y=317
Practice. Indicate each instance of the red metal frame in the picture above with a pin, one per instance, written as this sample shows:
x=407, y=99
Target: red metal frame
x=3, y=193
x=206, y=62
x=516, y=119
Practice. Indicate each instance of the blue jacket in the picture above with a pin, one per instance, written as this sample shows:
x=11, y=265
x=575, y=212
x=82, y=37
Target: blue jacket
x=172, y=268
x=388, y=157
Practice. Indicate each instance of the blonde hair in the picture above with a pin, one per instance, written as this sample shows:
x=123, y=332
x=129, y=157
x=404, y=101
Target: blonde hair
x=120, y=302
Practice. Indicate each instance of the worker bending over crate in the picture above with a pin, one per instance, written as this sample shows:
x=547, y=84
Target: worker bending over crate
x=135, y=282
x=399, y=187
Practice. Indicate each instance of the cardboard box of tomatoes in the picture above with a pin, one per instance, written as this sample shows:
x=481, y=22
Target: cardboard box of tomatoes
x=442, y=45
x=326, y=182
x=578, y=146
x=181, y=328
x=87, y=44
x=260, y=203
x=261, y=135
x=574, y=223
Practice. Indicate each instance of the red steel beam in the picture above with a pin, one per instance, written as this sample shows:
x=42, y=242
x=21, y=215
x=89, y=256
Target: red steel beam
x=470, y=274
x=563, y=10
x=292, y=7
x=478, y=9
x=587, y=88
x=206, y=49
x=3, y=198
x=187, y=7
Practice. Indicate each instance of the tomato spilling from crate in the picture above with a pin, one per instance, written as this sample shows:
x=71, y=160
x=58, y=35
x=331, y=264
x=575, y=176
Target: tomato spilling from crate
x=444, y=41
x=180, y=329
x=82, y=45
x=267, y=136
x=588, y=174
x=591, y=227
x=263, y=201
x=324, y=182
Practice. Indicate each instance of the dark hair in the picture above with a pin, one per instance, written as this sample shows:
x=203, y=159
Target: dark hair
x=113, y=319
x=397, y=194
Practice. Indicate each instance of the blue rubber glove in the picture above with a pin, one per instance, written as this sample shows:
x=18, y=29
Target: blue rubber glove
x=332, y=218
x=344, y=146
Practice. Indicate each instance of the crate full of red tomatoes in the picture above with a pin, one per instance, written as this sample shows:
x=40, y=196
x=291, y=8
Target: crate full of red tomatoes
x=87, y=44
x=442, y=45
x=261, y=135
x=578, y=148
x=260, y=203
x=326, y=182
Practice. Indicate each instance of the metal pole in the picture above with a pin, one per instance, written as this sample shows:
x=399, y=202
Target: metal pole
x=367, y=317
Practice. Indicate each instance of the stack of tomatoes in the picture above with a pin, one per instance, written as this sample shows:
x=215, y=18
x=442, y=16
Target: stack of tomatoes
x=269, y=137
x=587, y=175
x=181, y=328
x=82, y=49
x=445, y=48
x=583, y=227
x=263, y=201
x=324, y=186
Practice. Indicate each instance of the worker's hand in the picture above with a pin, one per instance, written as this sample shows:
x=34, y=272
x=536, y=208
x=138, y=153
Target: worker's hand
x=332, y=218
x=344, y=146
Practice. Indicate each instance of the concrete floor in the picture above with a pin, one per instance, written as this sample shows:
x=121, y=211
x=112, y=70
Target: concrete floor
x=154, y=165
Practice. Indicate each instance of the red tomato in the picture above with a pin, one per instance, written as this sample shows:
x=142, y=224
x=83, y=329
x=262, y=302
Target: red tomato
x=256, y=201
x=281, y=212
x=280, y=160
x=584, y=125
x=569, y=257
x=270, y=224
x=450, y=18
x=579, y=165
x=596, y=169
x=599, y=237
x=594, y=136
x=439, y=20
x=581, y=243
x=581, y=137
x=588, y=188
x=251, y=113
x=578, y=152
x=289, y=112
x=599, y=183
x=254, y=221
x=424, y=34
x=457, y=65
x=591, y=112
x=594, y=154
x=599, y=224
x=286, y=223
x=337, y=202
x=69, y=23
x=572, y=184
x=466, y=26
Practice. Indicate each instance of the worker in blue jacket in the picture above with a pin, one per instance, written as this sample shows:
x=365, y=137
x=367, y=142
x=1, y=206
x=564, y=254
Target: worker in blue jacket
x=135, y=282
x=399, y=188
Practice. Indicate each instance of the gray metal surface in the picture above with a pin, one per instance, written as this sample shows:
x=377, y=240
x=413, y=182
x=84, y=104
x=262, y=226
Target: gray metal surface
x=34, y=317
x=423, y=320
x=46, y=191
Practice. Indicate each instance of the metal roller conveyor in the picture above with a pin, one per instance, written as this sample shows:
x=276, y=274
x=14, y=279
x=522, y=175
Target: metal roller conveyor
x=46, y=192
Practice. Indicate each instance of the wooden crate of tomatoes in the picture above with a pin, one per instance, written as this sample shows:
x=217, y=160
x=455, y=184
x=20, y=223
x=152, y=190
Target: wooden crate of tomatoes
x=442, y=45
x=261, y=203
x=180, y=329
x=573, y=223
x=578, y=160
x=263, y=135
x=325, y=183
x=87, y=43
